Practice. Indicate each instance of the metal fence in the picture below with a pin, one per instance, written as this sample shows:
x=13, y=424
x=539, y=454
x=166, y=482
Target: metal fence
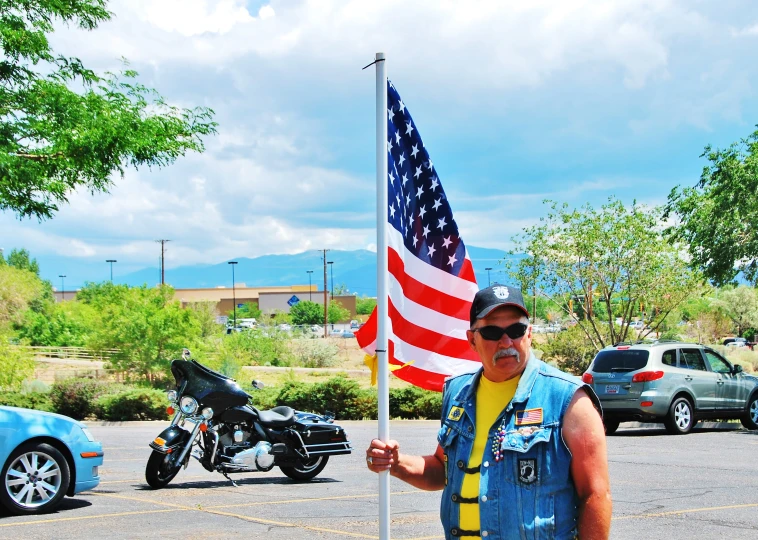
x=70, y=353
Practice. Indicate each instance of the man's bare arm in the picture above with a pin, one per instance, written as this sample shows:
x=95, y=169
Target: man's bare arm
x=423, y=472
x=584, y=436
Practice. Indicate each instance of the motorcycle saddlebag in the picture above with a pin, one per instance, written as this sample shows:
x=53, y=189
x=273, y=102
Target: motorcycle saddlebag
x=320, y=437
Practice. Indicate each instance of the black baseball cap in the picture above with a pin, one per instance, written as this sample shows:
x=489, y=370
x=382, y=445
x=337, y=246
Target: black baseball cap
x=493, y=297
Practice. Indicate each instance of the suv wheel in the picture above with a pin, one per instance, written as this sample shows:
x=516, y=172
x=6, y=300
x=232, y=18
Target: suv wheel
x=610, y=426
x=750, y=419
x=681, y=418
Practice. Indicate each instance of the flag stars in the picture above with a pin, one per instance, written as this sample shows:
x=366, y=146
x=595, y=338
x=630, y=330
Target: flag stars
x=430, y=164
x=401, y=106
x=415, y=240
x=392, y=211
x=441, y=223
x=402, y=159
x=405, y=179
x=421, y=213
x=390, y=114
x=437, y=203
x=389, y=146
x=417, y=173
x=419, y=192
x=409, y=128
x=451, y=260
x=392, y=178
x=397, y=137
x=432, y=249
x=435, y=184
x=408, y=199
x=415, y=150
x=446, y=242
x=425, y=231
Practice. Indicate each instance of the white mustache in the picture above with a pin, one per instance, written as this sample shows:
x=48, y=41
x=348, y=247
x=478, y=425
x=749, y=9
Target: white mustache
x=506, y=352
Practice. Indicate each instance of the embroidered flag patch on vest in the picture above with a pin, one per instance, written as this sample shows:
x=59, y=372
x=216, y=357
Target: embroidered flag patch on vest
x=455, y=413
x=529, y=416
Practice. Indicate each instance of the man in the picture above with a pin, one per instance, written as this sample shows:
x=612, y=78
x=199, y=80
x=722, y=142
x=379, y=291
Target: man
x=521, y=450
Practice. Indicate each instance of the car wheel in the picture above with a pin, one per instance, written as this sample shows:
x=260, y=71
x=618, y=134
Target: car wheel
x=681, y=417
x=610, y=426
x=750, y=419
x=35, y=479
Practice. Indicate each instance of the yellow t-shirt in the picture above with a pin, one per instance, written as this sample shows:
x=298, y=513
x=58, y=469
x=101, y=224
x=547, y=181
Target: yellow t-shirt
x=491, y=399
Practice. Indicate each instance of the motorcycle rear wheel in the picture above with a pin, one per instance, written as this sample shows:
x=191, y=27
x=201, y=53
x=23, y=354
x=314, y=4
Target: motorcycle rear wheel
x=306, y=469
x=161, y=469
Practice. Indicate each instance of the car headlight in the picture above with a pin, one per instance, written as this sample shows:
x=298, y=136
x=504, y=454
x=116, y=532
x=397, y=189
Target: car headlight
x=87, y=434
x=188, y=405
x=171, y=395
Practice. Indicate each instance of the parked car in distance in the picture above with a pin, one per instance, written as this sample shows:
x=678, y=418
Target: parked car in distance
x=354, y=325
x=44, y=457
x=671, y=382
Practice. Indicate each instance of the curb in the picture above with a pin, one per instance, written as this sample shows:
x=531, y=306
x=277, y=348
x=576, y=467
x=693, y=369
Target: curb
x=732, y=426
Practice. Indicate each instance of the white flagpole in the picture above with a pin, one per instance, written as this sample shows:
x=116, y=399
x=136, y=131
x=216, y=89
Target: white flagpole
x=381, y=286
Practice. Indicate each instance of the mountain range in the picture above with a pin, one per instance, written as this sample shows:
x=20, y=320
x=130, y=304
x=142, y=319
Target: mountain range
x=356, y=270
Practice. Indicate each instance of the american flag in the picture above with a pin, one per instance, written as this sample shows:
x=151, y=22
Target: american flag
x=431, y=279
x=529, y=416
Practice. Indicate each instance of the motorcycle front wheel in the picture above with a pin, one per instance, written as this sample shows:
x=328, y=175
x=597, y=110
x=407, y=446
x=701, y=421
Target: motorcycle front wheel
x=306, y=469
x=161, y=469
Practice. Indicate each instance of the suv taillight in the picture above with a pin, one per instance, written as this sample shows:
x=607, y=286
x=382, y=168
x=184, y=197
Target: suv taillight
x=587, y=378
x=647, y=376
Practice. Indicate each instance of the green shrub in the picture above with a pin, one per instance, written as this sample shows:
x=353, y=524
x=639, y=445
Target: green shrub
x=264, y=398
x=132, y=404
x=33, y=400
x=413, y=402
x=76, y=397
x=314, y=353
x=338, y=395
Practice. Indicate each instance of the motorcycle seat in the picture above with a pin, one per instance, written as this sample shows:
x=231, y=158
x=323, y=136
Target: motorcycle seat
x=277, y=417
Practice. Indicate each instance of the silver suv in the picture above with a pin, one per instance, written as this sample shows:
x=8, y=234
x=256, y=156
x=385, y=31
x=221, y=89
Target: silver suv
x=671, y=382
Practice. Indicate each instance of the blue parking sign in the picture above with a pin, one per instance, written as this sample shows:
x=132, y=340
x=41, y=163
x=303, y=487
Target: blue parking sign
x=292, y=301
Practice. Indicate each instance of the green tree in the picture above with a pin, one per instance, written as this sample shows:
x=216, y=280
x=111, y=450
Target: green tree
x=249, y=310
x=307, y=312
x=740, y=304
x=205, y=314
x=64, y=127
x=16, y=365
x=364, y=305
x=18, y=290
x=603, y=261
x=146, y=326
x=337, y=312
x=65, y=324
x=717, y=217
x=19, y=258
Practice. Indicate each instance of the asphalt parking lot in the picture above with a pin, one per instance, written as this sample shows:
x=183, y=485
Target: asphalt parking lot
x=703, y=485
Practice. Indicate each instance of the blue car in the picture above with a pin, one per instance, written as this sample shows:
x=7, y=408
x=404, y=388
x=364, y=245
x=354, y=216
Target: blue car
x=44, y=457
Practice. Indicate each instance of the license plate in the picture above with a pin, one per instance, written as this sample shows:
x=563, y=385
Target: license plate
x=612, y=388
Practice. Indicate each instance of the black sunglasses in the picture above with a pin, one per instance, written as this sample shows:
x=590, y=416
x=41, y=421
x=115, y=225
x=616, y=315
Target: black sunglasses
x=495, y=333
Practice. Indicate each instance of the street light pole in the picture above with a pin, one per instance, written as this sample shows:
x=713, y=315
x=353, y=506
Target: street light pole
x=310, y=296
x=331, y=273
x=234, y=293
x=63, y=288
x=488, y=276
x=111, y=261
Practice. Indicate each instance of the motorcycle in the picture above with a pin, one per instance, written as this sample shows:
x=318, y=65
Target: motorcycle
x=214, y=423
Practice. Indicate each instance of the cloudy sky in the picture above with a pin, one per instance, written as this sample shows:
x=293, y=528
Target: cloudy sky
x=574, y=101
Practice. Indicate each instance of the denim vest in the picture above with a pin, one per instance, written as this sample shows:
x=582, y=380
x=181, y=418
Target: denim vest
x=528, y=492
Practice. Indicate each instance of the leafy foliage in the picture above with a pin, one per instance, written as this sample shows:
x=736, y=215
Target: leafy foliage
x=132, y=404
x=337, y=312
x=19, y=258
x=19, y=289
x=338, y=395
x=27, y=400
x=602, y=262
x=146, y=325
x=76, y=397
x=307, y=312
x=717, y=216
x=16, y=365
x=364, y=305
x=65, y=324
x=314, y=353
x=205, y=314
x=570, y=350
x=53, y=139
x=740, y=304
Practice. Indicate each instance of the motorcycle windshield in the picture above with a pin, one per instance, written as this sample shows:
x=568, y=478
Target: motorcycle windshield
x=209, y=388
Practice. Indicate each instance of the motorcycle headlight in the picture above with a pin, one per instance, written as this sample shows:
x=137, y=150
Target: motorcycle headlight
x=207, y=413
x=171, y=395
x=188, y=405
